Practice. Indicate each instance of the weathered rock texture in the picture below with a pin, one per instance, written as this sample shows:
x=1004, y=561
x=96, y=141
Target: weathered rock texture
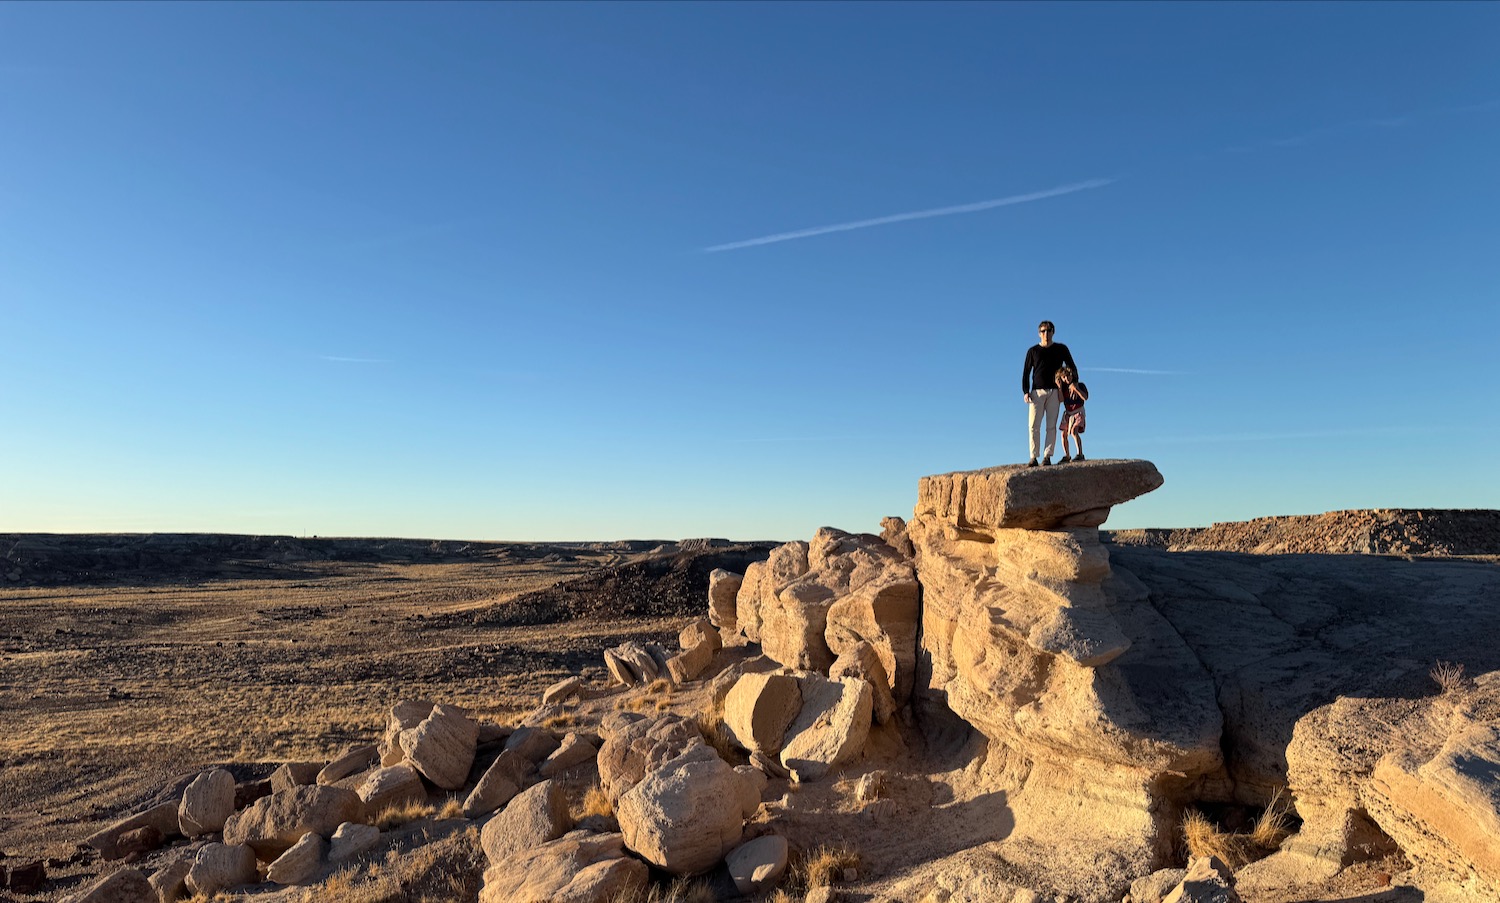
x=274, y=823
x=684, y=815
x=580, y=868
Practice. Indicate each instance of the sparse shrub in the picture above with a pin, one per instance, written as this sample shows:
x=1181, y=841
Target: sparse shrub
x=562, y=719
x=1203, y=837
x=401, y=813
x=682, y=890
x=716, y=734
x=453, y=807
x=1449, y=676
x=1274, y=824
x=660, y=685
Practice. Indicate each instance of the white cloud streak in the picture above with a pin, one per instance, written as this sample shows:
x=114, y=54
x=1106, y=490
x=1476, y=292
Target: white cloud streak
x=917, y=214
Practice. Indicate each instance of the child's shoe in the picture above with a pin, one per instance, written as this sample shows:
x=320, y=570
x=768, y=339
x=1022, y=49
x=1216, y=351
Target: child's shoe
x=1078, y=457
x=1064, y=459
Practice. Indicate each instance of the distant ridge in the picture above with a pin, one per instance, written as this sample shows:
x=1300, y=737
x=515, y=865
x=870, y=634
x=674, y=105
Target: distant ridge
x=1381, y=531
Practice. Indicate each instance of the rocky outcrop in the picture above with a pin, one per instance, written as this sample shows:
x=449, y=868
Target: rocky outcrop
x=581, y=867
x=685, y=814
x=276, y=822
x=442, y=746
x=639, y=747
x=1097, y=711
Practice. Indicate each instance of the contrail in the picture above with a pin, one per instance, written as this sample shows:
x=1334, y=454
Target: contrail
x=918, y=214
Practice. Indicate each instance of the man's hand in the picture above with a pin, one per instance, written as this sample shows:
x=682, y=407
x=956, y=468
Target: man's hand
x=1027, y=396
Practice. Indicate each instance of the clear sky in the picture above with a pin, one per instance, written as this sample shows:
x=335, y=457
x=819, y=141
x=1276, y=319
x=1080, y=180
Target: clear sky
x=560, y=271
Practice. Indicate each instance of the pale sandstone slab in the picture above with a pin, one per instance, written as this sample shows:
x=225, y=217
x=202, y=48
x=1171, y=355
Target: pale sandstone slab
x=723, y=588
x=576, y=749
x=403, y=716
x=690, y=662
x=760, y=708
x=300, y=864
x=170, y=881
x=700, y=631
x=579, y=868
x=295, y=774
x=757, y=865
x=1035, y=498
x=392, y=787
x=640, y=746
x=163, y=818
x=124, y=886
x=355, y=761
x=506, y=776
x=218, y=866
x=535, y=743
x=831, y=728
x=531, y=819
x=563, y=690
x=351, y=839
x=862, y=661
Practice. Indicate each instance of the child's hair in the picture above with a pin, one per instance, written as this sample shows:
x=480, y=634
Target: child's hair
x=1065, y=371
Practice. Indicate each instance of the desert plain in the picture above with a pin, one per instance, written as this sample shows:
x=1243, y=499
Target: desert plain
x=1243, y=664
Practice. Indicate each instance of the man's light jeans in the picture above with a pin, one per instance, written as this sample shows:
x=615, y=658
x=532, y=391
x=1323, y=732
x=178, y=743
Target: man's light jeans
x=1043, y=402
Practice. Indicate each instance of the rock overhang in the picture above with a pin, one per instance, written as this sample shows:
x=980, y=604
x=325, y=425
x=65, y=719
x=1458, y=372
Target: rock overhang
x=1034, y=498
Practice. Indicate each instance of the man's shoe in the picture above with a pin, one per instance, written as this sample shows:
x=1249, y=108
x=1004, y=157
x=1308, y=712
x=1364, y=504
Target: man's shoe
x=1046, y=462
x=1078, y=457
x=1064, y=459
x=1031, y=463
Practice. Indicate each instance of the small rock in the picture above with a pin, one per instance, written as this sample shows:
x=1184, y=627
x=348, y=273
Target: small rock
x=300, y=864
x=170, y=881
x=206, y=803
x=870, y=786
x=351, y=839
x=295, y=774
x=124, y=886
x=575, y=750
x=563, y=690
x=388, y=788
x=758, y=865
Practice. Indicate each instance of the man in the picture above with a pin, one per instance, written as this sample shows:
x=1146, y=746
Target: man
x=1039, y=385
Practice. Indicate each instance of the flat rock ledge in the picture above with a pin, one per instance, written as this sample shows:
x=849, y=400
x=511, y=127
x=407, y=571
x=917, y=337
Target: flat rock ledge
x=1034, y=498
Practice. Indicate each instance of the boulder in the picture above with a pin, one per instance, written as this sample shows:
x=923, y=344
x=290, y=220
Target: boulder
x=442, y=746
x=206, y=803
x=686, y=814
x=274, y=823
x=170, y=881
x=531, y=819
x=390, y=788
x=139, y=841
x=404, y=715
x=689, y=663
x=124, y=886
x=580, y=868
x=1208, y=880
x=639, y=660
x=641, y=746
x=563, y=690
x=831, y=728
x=763, y=581
x=1153, y=887
x=757, y=866
x=301, y=863
x=700, y=631
x=881, y=611
x=1032, y=498
x=862, y=661
x=893, y=532
x=295, y=774
x=620, y=670
x=576, y=749
x=26, y=878
x=352, y=839
x=355, y=761
x=724, y=681
x=760, y=708
x=218, y=866
x=163, y=818
x=723, y=587
x=534, y=743
x=505, y=778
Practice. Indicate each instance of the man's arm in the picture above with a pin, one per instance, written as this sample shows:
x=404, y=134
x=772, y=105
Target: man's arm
x=1026, y=374
x=1068, y=356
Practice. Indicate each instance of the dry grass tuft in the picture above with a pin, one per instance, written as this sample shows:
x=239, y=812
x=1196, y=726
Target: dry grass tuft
x=352, y=885
x=1274, y=824
x=401, y=813
x=781, y=896
x=562, y=719
x=821, y=866
x=660, y=685
x=1449, y=676
x=716, y=734
x=447, y=870
x=453, y=807
x=595, y=802
x=682, y=890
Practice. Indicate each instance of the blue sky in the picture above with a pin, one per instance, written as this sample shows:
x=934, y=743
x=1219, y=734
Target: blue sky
x=461, y=270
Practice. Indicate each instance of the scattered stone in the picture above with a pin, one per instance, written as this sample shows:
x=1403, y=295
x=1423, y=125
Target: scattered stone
x=758, y=865
x=295, y=774
x=218, y=866
x=862, y=661
x=351, y=839
x=170, y=881
x=163, y=818
x=273, y=824
x=356, y=760
x=620, y=670
x=689, y=663
x=138, y=841
x=391, y=787
x=575, y=750
x=760, y=708
x=635, y=664
x=531, y=819
x=25, y=878
x=206, y=803
x=823, y=894
x=579, y=868
x=686, y=814
x=505, y=778
x=1208, y=880
x=563, y=690
x=124, y=886
x=300, y=864
x=535, y=743
x=700, y=631
x=442, y=746
x=870, y=787
x=1153, y=887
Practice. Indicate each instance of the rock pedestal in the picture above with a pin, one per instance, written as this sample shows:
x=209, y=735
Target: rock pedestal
x=1027, y=636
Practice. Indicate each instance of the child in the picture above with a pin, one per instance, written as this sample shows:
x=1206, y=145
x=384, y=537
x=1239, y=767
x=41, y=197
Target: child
x=1073, y=394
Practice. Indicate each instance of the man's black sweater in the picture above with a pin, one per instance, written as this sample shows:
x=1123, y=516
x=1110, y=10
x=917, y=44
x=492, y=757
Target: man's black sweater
x=1042, y=364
